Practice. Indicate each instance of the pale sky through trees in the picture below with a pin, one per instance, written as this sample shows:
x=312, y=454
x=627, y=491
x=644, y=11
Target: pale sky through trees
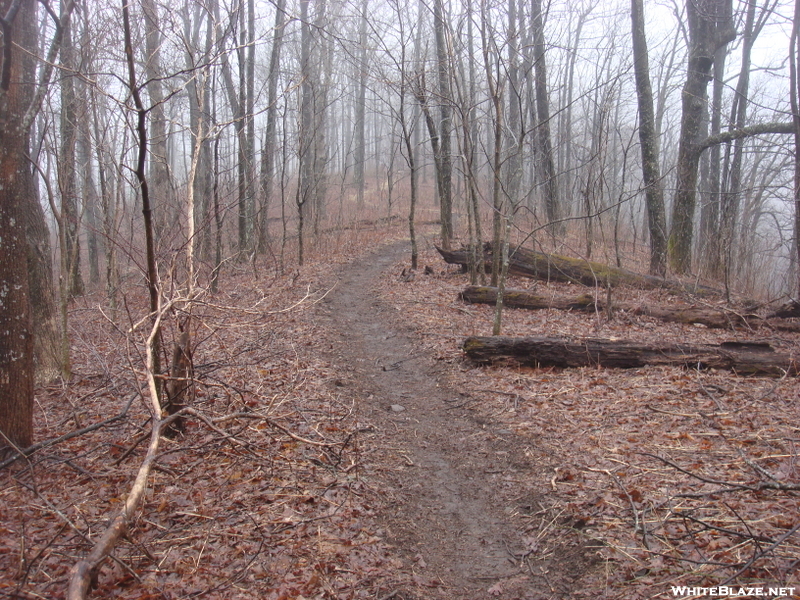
x=590, y=90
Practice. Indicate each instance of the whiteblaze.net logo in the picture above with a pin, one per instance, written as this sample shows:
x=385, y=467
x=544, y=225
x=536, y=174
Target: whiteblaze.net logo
x=725, y=591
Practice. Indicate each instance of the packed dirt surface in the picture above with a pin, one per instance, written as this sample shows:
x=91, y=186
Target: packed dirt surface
x=447, y=512
x=522, y=483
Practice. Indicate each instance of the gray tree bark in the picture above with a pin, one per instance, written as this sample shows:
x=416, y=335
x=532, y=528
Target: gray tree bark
x=543, y=138
x=654, y=192
x=67, y=169
x=269, y=149
x=710, y=27
x=360, y=109
x=794, y=94
x=159, y=174
x=445, y=163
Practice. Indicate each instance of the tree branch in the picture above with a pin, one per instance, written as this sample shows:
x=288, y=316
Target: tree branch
x=5, y=24
x=75, y=433
x=745, y=132
x=49, y=62
x=85, y=571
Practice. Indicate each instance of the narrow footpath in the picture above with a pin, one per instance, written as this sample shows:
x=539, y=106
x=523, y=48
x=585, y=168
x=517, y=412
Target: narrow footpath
x=444, y=513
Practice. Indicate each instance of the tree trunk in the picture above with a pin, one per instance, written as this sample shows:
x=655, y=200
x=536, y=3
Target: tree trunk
x=470, y=125
x=47, y=337
x=147, y=212
x=159, y=166
x=360, y=110
x=711, y=169
x=237, y=104
x=543, y=138
x=494, y=79
x=322, y=66
x=565, y=172
x=730, y=201
x=67, y=169
x=249, y=106
x=17, y=75
x=651, y=172
x=445, y=126
x=515, y=133
x=268, y=156
x=742, y=358
x=407, y=149
x=305, y=184
x=794, y=94
x=181, y=373
x=412, y=168
x=710, y=27
x=199, y=92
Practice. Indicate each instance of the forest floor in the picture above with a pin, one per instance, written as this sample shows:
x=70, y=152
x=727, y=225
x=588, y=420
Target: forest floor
x=349, y=450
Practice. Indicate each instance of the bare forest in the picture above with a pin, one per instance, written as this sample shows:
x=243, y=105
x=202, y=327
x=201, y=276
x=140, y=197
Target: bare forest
x=436, y=299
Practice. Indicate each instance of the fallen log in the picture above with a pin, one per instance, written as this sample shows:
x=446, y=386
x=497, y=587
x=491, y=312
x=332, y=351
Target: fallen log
x=482, y=294
x=524, y=262
x=710, y=317
x=690, y=315
x=742, y=358
x=790, y=310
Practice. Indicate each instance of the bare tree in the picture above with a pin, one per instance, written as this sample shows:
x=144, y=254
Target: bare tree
x=565, y=116
x=648, y=139
x=360, y=108
x=543, y=139
x=141, y=113
x=445, y=163
x=710, y=27
x=67, y=168
x=159, y=163
x=794, y=92
x=734, y=154
x=16, y=325
x=492, y=68
x=269, y=149
x=20, y=98
x=305, y=185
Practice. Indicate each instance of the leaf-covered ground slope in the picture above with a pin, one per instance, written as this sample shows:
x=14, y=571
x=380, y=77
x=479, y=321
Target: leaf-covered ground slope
x=305, y=479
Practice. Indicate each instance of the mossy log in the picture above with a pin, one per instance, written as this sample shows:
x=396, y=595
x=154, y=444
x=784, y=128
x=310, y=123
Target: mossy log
x=742, y=358
x=524, y=262
x=482, y=294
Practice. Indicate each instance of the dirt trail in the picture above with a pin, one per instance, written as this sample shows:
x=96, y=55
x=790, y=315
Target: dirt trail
x=448, y=465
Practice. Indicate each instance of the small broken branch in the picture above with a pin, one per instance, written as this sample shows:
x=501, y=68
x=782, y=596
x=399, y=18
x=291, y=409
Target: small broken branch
x=728, y=486
x=67, y=436
x=85, y=570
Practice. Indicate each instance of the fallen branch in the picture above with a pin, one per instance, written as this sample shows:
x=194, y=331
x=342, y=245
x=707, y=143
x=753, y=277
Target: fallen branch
x=726, y=485
x=273, y=424
x=84, y=572
x=763, y=553
x=67, y=436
